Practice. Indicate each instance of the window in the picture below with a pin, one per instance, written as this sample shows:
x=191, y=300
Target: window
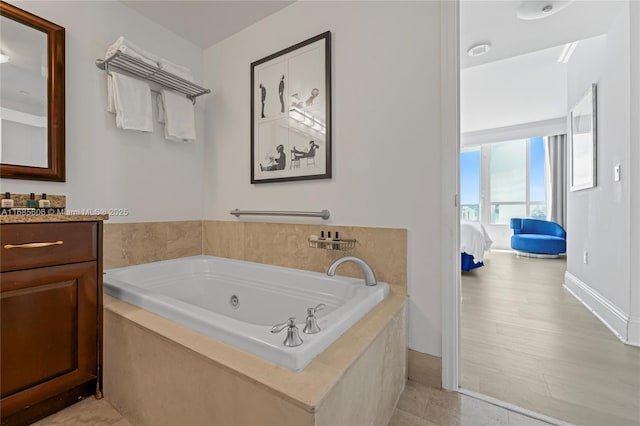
x=537, y=187
x=470, y=184
x=508, y=181
x=512, y=184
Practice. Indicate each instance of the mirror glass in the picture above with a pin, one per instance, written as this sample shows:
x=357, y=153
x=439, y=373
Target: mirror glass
x=32, y=96
x=23, y=94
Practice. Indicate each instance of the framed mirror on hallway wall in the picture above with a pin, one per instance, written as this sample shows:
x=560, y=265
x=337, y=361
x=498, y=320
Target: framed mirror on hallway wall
x=583, y=142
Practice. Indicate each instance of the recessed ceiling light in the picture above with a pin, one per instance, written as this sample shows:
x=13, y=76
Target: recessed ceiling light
x=479, y=49
x=537, y=9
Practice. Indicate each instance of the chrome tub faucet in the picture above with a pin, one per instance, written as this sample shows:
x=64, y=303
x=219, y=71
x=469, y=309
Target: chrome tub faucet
x=369, y=275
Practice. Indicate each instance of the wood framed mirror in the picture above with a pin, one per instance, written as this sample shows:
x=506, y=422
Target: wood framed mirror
x=32, y=92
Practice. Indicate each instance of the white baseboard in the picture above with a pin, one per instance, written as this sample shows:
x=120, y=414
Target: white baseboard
x=610, y=315
x=633, y=331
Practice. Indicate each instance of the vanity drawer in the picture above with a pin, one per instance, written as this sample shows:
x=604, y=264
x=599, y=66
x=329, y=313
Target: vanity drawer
x=30, y=245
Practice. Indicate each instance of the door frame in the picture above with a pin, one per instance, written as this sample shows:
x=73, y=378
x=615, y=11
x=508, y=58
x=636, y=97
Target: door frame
x=450, y=209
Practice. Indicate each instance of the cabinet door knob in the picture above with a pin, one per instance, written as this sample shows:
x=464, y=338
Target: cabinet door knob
x=34, y=245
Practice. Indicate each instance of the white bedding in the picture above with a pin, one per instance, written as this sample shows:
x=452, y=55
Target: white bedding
x=474, y=240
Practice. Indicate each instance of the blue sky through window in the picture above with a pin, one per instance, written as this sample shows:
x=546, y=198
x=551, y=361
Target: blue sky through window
x=536, y=169
x=470, y=177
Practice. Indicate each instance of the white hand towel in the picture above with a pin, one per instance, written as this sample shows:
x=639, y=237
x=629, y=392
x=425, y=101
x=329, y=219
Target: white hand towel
x=131, y=49
x=160, y=104
x=179, y=70
x=180, y=122
x=111, y=107
x=162, y=117
x=132, y=99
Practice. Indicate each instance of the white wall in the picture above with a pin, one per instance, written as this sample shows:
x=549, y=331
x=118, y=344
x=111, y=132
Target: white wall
x=386, y=131
x=107, y=167
x=598, y=219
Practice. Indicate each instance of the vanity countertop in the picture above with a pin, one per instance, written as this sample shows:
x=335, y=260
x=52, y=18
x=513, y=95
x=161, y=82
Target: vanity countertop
x=44, y=218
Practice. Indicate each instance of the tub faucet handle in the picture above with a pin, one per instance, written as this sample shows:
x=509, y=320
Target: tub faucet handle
x=311, y=325
x=293, y=337
x=312, y=311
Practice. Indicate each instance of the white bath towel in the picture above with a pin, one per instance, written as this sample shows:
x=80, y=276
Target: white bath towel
x=126, y=46
x=132, y=101
x=180, y=122
x=179, y=70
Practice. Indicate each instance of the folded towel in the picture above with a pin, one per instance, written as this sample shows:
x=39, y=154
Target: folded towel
x=132, y=100
x=111, y=107
x=160, y=103
x=179, y=70
x=126, y=46
x=180, y=122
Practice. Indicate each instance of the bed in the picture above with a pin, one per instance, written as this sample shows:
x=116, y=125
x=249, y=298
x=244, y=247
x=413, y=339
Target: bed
x=474, y=241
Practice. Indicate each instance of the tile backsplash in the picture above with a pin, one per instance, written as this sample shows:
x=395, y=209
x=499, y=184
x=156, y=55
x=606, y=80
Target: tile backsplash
x=128, y=244
x=385, y=249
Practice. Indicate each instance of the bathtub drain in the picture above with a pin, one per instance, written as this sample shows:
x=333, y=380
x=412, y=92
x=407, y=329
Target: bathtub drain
x=234, y=302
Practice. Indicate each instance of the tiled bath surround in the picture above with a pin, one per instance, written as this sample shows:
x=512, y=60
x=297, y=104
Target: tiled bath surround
x=128, y=244
x=385, y=249
x=356, y=380
x=280, y=244
x=158, y=372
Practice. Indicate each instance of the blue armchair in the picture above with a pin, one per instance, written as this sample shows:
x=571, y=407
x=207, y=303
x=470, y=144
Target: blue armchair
x=537, y=236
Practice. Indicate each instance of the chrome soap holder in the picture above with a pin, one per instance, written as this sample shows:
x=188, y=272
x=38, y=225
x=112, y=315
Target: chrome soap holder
x=345, y=244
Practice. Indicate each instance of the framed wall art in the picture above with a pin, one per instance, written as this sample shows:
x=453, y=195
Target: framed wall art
x=291, y=113
x=583, y=142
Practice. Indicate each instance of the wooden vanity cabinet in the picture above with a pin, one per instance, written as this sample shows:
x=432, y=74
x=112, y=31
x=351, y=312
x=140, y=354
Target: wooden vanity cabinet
x=50, y=317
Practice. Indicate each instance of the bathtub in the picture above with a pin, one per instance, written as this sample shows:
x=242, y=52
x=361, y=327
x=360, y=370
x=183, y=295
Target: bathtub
x=238, y=302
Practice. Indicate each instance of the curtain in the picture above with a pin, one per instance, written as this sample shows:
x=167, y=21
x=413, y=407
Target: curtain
x=555, y=153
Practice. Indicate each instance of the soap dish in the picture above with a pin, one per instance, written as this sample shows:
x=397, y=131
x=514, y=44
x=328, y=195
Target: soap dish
x=345, y=244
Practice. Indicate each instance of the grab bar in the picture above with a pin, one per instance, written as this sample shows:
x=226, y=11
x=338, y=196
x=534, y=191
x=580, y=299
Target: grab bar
x=324, y=214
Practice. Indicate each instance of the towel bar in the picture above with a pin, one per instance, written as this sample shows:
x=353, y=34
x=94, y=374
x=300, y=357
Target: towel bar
x=324, y=214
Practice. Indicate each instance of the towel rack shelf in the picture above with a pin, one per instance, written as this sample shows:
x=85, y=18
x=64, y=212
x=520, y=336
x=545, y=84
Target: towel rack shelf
x=134, y=66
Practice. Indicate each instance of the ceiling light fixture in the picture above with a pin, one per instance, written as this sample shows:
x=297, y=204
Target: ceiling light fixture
x=567, y=52
x=479, y=49
x=3, y=58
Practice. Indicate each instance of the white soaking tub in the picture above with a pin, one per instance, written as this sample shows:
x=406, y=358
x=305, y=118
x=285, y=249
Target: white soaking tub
x=238, y=302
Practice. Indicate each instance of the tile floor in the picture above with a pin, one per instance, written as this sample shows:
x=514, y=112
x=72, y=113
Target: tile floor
x=419, y=405
x=426, y=406
x=88, y=412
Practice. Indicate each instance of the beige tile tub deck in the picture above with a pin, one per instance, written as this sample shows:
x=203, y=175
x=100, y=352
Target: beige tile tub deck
x=371, y=352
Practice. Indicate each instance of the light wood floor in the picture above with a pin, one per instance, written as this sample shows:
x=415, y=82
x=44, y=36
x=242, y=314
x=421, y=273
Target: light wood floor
x=527, y=341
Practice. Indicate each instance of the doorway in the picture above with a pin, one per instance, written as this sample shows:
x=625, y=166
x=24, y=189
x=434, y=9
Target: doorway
x=559, y=397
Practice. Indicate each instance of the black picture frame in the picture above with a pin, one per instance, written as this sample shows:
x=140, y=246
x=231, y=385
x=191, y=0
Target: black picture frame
x=291, y=113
